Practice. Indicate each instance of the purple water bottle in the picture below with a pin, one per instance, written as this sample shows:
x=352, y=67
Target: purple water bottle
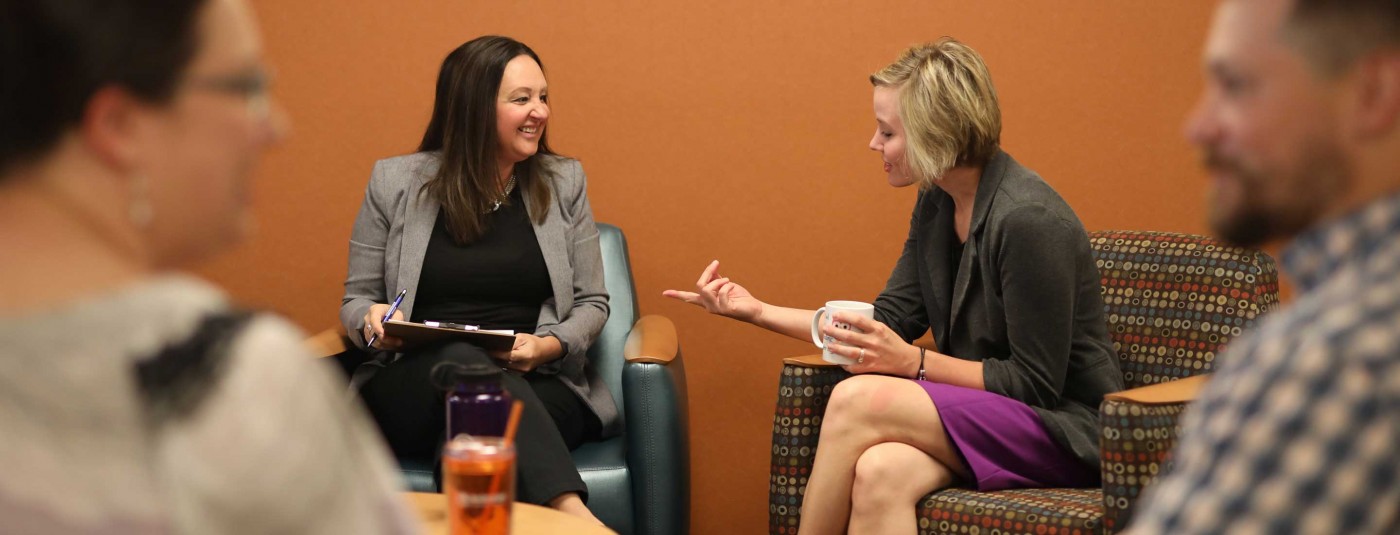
x=476, y=403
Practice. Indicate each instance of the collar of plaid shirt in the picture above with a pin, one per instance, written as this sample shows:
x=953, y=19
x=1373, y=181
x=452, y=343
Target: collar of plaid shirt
x=1324, y=249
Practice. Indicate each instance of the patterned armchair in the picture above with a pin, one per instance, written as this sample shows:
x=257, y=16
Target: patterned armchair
x=1172, y=302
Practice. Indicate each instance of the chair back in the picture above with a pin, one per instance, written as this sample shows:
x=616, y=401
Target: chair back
x=606, y=354
x=1173, y=301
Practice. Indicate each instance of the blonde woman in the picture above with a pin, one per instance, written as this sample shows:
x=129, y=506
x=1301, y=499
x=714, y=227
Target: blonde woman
x=999, y=268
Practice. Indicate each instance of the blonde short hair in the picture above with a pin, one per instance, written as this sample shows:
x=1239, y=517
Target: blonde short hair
x=948, y=106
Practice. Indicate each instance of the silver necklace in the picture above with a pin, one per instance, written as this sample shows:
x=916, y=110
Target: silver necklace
x=510, y=186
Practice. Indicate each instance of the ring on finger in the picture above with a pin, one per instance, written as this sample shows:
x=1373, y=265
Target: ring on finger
x=861, y=359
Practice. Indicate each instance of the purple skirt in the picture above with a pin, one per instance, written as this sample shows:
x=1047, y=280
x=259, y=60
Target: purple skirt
x=1003, y=442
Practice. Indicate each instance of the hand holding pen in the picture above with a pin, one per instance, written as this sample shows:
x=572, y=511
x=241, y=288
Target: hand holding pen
x=374, y=323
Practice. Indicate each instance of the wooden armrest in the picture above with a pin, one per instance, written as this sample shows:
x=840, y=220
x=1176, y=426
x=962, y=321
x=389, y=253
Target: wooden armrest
x=809, y=361
x=652, y=341
x=326, y=343
x=816, y=361
x=1178, y=391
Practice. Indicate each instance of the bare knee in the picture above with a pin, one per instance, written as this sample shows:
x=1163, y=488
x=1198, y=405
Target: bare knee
x=877, y=475
x=893, y=475
x=855, y=398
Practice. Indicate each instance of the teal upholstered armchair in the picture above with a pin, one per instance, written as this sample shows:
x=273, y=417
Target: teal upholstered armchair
x=1172, y=301
x=638, y=482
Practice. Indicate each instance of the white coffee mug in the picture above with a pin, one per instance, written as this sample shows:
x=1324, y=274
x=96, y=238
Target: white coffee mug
x=825, y=342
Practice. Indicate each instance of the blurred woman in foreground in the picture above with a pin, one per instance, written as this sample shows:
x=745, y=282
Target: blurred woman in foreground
x=132, y=398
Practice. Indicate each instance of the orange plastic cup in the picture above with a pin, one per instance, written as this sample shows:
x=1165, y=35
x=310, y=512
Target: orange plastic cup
x=479, y=478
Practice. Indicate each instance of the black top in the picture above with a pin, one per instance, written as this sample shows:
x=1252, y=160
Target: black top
x=1024, y=300
x=497, y=282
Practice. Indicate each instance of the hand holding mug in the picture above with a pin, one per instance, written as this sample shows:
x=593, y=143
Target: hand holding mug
x=868, y=346
x=825, y=321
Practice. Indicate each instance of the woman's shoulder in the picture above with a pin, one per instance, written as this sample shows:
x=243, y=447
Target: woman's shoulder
x=565, y=176
x=115, y=327
x=409, y=162
x=182, y=305
x=151, y=317
x=179, y=305
x=398, y=172
x=261, y=359
x=1024, y=195
x=561, y=167
x=270, y=394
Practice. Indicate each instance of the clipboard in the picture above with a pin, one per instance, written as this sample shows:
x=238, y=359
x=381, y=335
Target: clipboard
x=418, y=334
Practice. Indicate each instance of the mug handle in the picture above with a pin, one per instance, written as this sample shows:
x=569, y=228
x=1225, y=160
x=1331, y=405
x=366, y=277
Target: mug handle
x=816, y=328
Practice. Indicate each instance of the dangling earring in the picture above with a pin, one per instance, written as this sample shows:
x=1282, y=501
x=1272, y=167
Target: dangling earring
x=139, y=211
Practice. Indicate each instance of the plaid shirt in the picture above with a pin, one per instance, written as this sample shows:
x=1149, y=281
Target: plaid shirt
x=1299, y=430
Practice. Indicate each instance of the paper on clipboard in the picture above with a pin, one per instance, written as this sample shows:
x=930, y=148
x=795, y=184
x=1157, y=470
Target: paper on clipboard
x=419, y=334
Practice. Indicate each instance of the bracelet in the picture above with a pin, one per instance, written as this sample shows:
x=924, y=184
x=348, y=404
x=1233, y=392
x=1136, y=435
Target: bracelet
x=921, y=364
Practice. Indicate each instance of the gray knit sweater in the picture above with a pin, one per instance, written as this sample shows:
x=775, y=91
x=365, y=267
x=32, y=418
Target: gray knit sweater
x=271, y=446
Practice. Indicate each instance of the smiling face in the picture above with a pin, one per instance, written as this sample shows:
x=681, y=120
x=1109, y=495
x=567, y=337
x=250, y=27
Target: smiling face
x=1267, y=128
x=889, y=139
x=522, y=109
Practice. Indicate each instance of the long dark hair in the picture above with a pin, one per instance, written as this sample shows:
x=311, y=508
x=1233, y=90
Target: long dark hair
x=463, y=129
x=55, y=54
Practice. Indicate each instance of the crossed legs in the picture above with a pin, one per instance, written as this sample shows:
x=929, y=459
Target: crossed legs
x=882, y=448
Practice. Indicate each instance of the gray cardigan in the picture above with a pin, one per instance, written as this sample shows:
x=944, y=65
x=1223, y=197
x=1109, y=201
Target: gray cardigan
x=390, y=239
x=1026, y=300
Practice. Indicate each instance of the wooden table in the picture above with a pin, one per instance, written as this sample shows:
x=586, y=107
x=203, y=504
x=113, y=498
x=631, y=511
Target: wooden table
x=528, y=519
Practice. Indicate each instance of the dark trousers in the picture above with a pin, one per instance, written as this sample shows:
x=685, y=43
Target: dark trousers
x=411, y=413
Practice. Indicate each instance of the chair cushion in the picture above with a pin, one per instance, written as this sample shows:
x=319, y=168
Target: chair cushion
x=609, y=454
x=417, y=474
x=603, y=466
x=1040, y=511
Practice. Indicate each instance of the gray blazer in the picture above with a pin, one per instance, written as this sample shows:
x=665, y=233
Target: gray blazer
x=1025, y=300
x=390, y=240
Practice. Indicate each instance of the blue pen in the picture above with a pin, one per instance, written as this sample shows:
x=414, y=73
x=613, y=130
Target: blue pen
x=392, y=308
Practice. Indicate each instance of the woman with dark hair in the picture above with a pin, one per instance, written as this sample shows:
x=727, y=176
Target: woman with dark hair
x=133, y=399
x=486, y=226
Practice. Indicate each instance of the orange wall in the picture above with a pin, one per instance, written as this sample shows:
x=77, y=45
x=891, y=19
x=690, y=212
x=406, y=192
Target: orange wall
x=727, y=129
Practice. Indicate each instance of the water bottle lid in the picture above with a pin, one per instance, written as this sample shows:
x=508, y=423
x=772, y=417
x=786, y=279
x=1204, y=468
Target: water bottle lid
x=478, y=371
x=446, y=375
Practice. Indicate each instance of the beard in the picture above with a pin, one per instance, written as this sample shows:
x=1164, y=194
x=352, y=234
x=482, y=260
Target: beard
x=1276, y=204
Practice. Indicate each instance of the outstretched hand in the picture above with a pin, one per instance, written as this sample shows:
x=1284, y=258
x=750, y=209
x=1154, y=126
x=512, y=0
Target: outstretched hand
x=721, y=296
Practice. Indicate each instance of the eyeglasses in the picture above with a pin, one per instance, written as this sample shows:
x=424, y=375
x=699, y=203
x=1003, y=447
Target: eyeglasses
x=252, y=86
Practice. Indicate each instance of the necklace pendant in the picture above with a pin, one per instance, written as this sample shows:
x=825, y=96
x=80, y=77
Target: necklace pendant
x=510, y=186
